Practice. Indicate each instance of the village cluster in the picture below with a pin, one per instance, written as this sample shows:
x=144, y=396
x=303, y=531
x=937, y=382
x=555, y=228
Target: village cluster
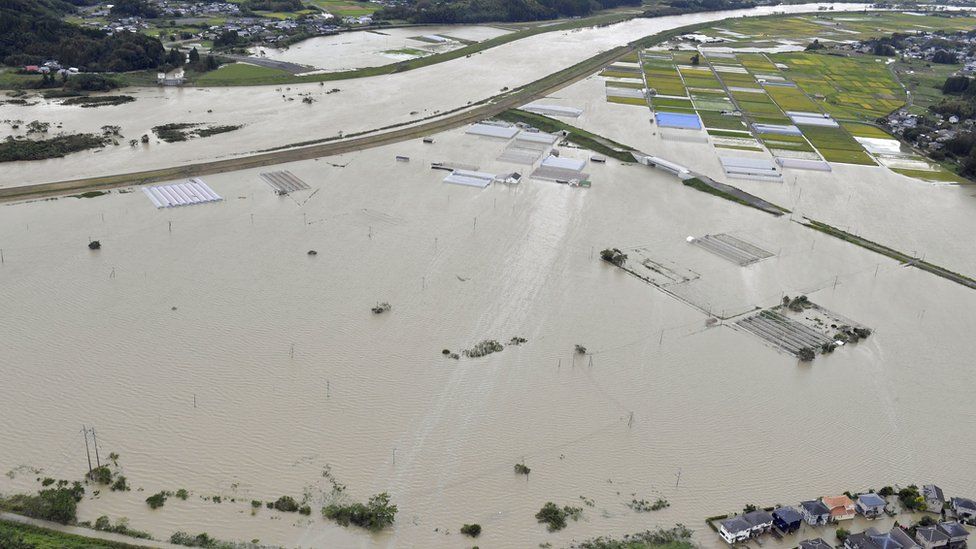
x=948, y=532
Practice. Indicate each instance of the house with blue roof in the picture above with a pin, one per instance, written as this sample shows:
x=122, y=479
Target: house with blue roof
x=870, y=505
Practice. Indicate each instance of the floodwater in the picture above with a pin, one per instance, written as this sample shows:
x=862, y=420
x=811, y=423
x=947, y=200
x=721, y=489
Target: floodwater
x=275, y=116
x=354, y=50
x=910, y=215
x=213, y=354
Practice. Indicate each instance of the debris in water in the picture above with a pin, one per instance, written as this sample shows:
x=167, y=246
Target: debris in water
x=486, y=347
x=381, y=308
x=312, y=252
x=94, y=245
x=517, y=340
x=580, y=350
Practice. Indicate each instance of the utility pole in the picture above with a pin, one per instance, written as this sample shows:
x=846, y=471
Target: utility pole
x=84, y=431
x=98, y=460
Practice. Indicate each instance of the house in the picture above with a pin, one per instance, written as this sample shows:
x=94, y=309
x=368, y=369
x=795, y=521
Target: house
x=930, y=537
x=901, y=536
x=965, y=508
x=787, y=519
x=815, y=513
x=760, y=520
x=745, y=526
x=735, y=530
x=956, y=533
x=841, y=507
x=874, y=539
x=818, y=543
x=934, y=498
x=870, y=505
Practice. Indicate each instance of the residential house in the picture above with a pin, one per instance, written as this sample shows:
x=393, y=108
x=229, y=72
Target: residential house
x=817, y=543
x=901, y=536
x=815, y=513
x=874, y=539
x=745, y=526
x=787, y=519
x=965, y=508
x=735, y=530
x=956, y=533
x=934, y=498
x=930, y=537
x=841, y=507
x=760, y=520
x=870, y=505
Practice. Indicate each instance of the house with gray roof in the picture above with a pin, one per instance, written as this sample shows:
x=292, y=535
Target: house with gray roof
x=965, y=508
x=870, y=505
x=956, y=533
x=817, y=543
x=901, y=536
x=930, y=537
x=815, y=513
x=735, y=530
x=934, y=498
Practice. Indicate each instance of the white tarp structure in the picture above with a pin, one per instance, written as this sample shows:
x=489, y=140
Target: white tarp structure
x=750, y=168
x=554, y=110
x=803, y=164
x=284, y=182
x=492, y=130
x=470, y=179
x=564, y=163
x=194, y=191
x=537, y=137
x=812, y=119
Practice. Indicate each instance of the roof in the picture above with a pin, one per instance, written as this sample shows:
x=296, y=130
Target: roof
x=884, y=541
x=953, y=529
x=931, y=491
x=862, y=540
x=834, y=502
x=758, y=517
x=815, y=507
x=965, y=503
x=930, y=534
x=787, y=514
x=735, y=525
x=817, y=543
x=871, y=500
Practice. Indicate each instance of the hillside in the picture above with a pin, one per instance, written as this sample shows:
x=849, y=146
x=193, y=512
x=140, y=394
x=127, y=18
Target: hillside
x=33, y=30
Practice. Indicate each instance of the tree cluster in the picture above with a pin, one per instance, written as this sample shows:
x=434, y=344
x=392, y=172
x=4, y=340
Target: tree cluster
x=31, y=31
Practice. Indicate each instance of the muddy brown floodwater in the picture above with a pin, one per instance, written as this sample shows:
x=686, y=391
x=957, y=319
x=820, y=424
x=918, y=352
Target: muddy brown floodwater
x=291, y=372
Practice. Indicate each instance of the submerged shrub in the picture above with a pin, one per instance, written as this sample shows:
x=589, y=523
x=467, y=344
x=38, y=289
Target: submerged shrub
x=377, y=514
x=286, y=504
x=472, y=530
x=554, y=517
x=156, y=500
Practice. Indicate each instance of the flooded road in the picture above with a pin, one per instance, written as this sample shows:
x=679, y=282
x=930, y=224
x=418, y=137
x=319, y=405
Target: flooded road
x=213, y=354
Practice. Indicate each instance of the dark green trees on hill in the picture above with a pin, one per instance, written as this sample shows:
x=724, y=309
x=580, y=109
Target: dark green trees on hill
x=31, y=31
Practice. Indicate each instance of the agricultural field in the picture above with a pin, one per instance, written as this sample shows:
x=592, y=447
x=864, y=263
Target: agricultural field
x=237, y=73
x=829, y=28
x=858, y=88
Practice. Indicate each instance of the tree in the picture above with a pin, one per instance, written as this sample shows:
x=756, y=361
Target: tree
x=842, y=534
x=696, y=59
x=194, y=56
x=133, y=8
x=815, y=45
x=472, y=530
x=944, y=57
x=10, y=540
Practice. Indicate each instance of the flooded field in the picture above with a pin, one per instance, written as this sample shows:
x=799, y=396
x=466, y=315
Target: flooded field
x=214, y=354
x=354, y=50
x=276, y=116
x=913, y=216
